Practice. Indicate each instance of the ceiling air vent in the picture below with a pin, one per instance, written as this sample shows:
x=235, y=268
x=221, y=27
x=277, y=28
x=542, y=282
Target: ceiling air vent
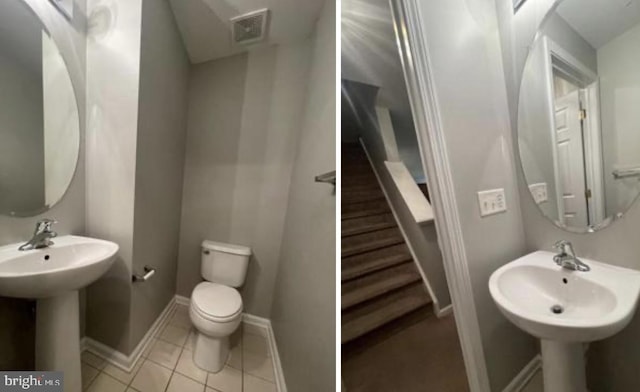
x=250, y=28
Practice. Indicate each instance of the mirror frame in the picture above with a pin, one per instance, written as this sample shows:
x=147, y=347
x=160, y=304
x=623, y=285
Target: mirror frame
x=45, y=208
x=517, y=4
x=607, y=221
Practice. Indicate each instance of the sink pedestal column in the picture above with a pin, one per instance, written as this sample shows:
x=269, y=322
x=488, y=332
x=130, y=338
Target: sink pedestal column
x=58, y=338
x=563, y=366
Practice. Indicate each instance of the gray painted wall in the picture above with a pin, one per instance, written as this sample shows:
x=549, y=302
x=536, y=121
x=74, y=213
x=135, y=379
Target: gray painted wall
x=534, y=141
x=471, y=96
x=162, y=129
x=22, y=175
x=139, y=118
x=17, y=332
x=22, y=132
x=369, y=54
x=570, y=40
x=303, y=312
x=619, y=99
x=422, y=238
x=611, y=363
x=113, y=68
x=213, y=125
x=244, y=120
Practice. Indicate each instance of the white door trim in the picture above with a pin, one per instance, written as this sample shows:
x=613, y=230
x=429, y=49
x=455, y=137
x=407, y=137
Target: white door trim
x=414, y=54
x=593, y=150
x=551, y=114
x=592, y=136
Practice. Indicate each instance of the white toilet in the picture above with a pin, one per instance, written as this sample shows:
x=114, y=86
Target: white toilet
x=216, y=306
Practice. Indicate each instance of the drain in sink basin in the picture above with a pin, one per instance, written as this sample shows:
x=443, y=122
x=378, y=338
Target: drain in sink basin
x=557, y=309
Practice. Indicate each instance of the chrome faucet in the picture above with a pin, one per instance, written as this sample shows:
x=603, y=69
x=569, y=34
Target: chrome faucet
x=42, y=236
x=568, y=259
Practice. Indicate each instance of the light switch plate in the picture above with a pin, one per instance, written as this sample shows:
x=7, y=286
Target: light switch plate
x=492, y=202
x=539, y=192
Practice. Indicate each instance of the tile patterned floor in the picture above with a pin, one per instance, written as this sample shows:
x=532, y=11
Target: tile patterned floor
x=167, y=364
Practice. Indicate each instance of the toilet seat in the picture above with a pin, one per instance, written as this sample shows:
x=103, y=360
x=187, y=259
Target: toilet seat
x=216, y=302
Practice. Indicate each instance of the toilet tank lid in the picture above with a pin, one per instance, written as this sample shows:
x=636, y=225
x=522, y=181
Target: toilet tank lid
x=226, y=248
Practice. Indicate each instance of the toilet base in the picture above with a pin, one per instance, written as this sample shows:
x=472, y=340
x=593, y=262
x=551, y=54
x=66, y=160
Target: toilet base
x=211, y=353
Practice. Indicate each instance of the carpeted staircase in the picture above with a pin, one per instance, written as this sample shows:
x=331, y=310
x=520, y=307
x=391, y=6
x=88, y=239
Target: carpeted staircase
x=380, y=282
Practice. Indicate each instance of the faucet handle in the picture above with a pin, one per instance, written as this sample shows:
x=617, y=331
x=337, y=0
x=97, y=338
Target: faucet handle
x=562, y=245
x=44, y=225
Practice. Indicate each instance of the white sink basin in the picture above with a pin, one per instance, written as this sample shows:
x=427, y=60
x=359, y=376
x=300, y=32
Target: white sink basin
x=594, y=305
x=565, y=308
x=70, y=264
x=54, y=275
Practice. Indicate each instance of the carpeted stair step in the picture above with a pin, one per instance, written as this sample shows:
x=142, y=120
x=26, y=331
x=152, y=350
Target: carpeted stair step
x=359, y=195
x=365, y=263
x=362, y=188
x=360, y=320
x=367, y=208
x=367, y=242
x=367, y=224
x=352, y=152
x=357, y=167
x=359, y=180
x=383, y=281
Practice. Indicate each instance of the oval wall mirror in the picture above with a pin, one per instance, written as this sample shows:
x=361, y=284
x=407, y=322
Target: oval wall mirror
x=39, y=122
x=579, y=113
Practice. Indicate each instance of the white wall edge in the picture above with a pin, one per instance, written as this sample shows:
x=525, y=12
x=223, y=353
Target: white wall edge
x=521, y=379
x=123, y=361
x=413, y=197
x=386, y=132
x=425, y=281
x=414, y=54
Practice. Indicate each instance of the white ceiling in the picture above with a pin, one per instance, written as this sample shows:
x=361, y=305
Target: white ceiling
x=600, y=21
x=206, y=32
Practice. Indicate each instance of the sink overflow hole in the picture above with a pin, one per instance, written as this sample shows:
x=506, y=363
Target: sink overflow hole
x=46, y=257
x=564, y=280
x=557, y=309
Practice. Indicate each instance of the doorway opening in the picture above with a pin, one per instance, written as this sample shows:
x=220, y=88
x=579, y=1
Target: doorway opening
x=398, y=329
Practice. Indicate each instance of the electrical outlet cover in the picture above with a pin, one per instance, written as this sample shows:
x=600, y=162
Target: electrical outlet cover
x=492, y=202
x=539, y=192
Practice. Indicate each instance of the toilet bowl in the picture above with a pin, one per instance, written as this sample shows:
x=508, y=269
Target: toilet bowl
x=216, y=312
x=215, y=308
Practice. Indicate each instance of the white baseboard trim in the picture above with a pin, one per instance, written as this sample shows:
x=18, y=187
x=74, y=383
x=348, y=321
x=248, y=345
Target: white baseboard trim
x=255, y=324
x=263, y=327
x=182, y=300
x=522, y=378
x=444, y=312
x=123, y=361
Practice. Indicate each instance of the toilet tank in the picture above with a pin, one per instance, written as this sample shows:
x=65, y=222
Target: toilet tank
x=224, y=263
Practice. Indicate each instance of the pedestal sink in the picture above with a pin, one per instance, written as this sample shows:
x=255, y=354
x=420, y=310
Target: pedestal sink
x=565, y=309
x=53, y=277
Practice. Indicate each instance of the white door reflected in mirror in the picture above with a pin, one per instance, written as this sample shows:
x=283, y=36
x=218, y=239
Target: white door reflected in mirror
x=578, y=123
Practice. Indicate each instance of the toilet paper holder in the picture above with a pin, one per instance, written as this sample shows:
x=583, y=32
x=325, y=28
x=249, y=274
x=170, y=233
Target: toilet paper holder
x=148, y=273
